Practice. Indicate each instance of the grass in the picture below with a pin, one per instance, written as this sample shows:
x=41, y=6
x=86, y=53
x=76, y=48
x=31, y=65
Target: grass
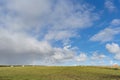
x=59, y=73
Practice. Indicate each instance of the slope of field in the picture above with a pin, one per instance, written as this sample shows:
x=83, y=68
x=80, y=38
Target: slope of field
x=59, y=73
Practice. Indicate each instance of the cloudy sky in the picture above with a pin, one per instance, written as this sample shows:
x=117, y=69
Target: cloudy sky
x=60, y=32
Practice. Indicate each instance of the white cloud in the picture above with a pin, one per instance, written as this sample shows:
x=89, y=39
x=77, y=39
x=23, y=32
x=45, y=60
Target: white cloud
x=66, y=20
x=46, y=19
x=19, y=48
x=115, y=49
x=63, y=54
x=115, y=22
x=39, y=15
x=110, y=5
x=97, y=56
x=26, y=26
x=81, y=57
x=105, y=35
x=27, y=8
x=59, y=35
x=108, y=33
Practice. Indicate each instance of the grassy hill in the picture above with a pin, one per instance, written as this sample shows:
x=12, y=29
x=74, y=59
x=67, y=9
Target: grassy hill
x=59, y=73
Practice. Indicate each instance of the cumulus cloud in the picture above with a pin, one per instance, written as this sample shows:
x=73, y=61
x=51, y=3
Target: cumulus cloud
x=81, y=57
x=115, y=49
x=24, y=49
x=17, y=48
x=110, y=5
x=108, y=33
x=27, y=28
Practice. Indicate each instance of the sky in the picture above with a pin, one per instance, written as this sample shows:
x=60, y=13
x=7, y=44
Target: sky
x=59, y=32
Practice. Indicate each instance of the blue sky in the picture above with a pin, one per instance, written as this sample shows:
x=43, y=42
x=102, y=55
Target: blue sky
x=60, y=32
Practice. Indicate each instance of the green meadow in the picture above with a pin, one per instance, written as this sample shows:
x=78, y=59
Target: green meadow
x=59, y=73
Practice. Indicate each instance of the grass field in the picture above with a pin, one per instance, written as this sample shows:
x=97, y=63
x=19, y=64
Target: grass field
x=59, y=73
